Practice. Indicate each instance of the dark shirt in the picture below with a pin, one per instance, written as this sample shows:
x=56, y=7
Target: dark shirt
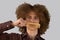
x=14, y=36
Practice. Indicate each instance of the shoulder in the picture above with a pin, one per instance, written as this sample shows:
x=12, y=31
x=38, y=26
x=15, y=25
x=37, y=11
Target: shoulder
x=10, y=36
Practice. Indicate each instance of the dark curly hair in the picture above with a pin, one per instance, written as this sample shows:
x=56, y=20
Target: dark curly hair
x=41, y=11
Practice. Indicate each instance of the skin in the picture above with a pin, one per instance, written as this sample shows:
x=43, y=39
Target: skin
x=31, y=17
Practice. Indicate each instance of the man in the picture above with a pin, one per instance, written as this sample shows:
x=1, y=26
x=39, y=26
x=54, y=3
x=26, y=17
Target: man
x=33, y=21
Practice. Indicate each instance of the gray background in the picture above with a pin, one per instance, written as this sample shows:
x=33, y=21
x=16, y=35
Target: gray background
x=7, y=12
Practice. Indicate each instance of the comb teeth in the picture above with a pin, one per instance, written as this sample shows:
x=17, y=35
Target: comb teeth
x=37, y=25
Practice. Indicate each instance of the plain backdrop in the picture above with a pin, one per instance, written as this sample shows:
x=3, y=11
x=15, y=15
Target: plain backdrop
x=8, y=8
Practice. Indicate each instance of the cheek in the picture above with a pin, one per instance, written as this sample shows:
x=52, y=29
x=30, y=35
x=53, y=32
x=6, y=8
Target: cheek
x=37, y=21
x=27, y=20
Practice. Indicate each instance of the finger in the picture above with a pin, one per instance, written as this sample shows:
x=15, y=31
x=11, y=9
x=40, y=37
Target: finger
x=20, y=25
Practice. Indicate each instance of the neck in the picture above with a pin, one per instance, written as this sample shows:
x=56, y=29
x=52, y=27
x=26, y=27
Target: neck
x=32, y=33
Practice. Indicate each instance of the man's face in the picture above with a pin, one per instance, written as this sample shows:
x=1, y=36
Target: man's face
x=32, y=17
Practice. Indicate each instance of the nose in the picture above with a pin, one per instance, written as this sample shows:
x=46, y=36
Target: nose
x=32, y=20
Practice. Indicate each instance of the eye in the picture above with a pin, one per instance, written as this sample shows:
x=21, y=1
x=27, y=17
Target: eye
x=35, y=17
x=29, y=17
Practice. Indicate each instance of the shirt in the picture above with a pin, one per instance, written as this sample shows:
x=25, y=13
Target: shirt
x=14, y=36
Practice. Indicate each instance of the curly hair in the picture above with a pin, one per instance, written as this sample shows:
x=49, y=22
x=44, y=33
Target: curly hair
x=41, y=11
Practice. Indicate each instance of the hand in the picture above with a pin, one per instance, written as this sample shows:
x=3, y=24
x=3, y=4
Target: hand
x=20, y=22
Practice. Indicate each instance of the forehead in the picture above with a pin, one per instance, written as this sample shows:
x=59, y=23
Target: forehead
x=31, y=13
